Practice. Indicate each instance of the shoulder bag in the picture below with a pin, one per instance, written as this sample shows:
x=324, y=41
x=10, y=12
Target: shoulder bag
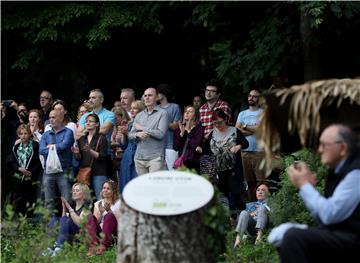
x=84, y=174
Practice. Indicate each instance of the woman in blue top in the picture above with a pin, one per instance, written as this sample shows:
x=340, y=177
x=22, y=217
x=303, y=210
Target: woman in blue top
x=127, y=165
x=254, y=218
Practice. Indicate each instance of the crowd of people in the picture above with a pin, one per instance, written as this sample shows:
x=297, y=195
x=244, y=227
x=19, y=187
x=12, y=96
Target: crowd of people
x=137, y=137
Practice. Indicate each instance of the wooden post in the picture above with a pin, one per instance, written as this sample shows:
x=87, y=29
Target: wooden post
x=144, y=238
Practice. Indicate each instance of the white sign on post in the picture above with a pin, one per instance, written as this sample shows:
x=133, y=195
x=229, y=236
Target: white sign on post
x=167, y=193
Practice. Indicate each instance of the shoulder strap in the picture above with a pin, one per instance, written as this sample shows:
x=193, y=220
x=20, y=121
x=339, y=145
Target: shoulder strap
x=96, y=148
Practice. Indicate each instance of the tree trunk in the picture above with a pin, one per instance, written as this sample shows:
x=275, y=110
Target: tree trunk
x=310, y=52
x=149, y=238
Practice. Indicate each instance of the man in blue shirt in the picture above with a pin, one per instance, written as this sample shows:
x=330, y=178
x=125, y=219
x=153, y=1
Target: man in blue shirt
x=337, y=239
x=62, y=138
x=248, y=122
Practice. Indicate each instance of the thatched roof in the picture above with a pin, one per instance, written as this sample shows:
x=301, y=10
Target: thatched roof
x=298, y=111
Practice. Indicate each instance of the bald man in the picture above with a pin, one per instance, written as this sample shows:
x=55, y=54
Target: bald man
x=62, y=138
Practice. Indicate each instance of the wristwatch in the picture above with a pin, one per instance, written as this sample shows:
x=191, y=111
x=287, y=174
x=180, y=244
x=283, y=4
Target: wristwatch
x=244, y=126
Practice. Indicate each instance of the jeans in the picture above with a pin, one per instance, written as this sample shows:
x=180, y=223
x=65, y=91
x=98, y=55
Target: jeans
x=51, y=183
x=247, y=223
x=67, y=230
x=97, y=183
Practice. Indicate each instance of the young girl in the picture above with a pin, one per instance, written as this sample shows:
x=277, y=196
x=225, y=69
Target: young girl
x=24, y=162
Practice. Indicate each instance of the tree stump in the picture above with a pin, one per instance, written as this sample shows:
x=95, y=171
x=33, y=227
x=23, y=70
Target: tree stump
x=144, y=238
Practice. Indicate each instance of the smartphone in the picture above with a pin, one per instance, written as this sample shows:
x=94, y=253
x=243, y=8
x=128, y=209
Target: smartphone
x=296, y=160
x=7, y=103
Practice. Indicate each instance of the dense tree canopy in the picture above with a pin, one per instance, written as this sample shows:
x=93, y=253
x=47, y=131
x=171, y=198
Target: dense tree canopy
x=71, y=47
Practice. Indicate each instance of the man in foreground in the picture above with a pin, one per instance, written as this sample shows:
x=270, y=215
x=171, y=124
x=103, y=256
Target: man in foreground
x=337, y=238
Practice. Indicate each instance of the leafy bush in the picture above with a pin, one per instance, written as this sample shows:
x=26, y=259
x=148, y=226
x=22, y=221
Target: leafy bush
x=248, y=252
x=22, y=241
x=286, y=204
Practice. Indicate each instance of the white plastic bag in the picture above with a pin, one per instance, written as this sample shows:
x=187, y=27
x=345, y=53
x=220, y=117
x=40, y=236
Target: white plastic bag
x=53, y=164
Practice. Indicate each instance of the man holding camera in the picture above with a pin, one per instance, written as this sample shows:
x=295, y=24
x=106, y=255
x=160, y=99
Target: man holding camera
x=337, y=238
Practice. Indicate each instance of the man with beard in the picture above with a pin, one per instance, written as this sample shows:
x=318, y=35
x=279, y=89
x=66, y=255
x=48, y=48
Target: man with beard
x=213, y=102
x=247, y=122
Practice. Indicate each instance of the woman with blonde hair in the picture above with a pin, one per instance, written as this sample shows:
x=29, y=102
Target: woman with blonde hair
x=74, y=214
x=103, y=219
x=127, y=165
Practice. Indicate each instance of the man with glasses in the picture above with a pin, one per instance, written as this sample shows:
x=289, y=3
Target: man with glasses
x=46, y=100
x=247, y=122
x=213, y=102
x=337, y=239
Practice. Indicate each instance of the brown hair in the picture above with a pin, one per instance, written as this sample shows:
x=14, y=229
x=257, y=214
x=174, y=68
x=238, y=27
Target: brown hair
x=40, y=124
x=219, y=113
x=25, y=127
x=197, y=113
x=114, y=188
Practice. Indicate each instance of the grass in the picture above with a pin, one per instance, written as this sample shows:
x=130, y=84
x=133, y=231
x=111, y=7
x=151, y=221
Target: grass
x=22, y=242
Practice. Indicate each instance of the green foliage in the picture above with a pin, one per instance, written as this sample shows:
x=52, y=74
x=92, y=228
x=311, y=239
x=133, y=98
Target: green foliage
x=217, y=220
x=321, y=11
x=248, y=252
x=22, y=242
x=286, y=205
x=74, y=22
x=271, y=45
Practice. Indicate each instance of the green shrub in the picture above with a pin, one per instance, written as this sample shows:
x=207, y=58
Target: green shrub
x=248, y=252
x=23, y=242
x=286, y=205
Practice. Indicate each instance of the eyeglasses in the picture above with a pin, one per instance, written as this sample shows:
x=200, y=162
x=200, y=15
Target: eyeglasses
x=328, y=144
x=44, y=98
x=90, y=121
x=218, y=121
x=211, y=90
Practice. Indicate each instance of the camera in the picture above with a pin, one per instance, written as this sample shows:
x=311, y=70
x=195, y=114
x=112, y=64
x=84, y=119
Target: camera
x=7, y=103
x=296, y=160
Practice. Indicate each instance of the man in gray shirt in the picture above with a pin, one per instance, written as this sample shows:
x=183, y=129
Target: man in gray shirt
x=149, y=129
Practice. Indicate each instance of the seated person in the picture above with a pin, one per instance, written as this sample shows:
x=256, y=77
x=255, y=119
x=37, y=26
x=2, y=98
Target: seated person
x=103, y=219
x=254, y=218
x=337, y=238
x=73, y=215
